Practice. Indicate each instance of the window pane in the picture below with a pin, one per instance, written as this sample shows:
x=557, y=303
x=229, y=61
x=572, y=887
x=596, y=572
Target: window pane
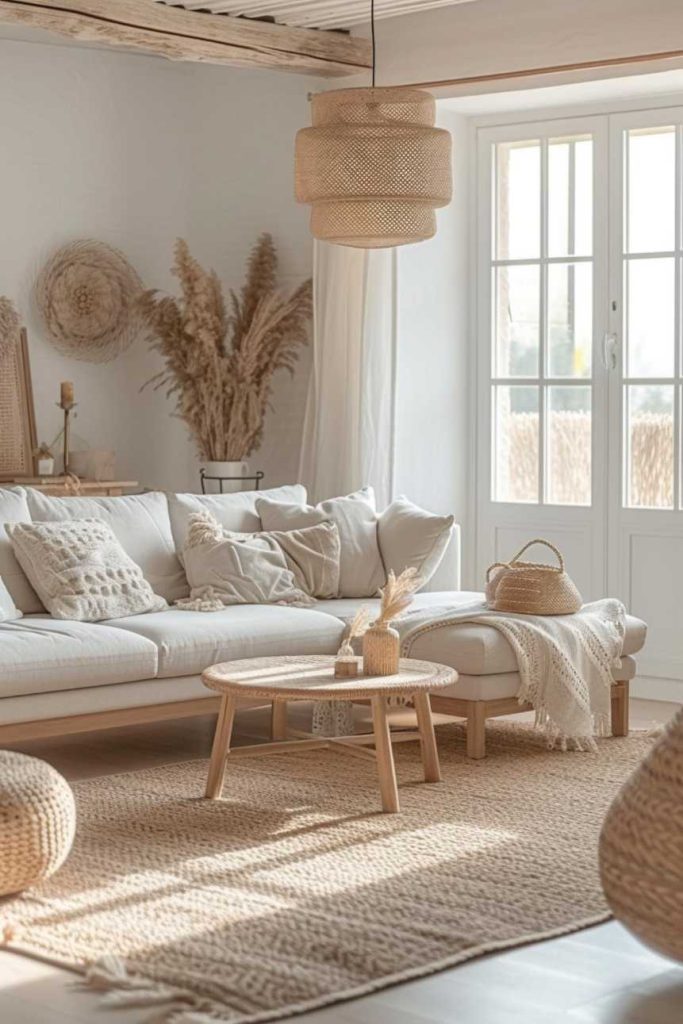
x=518, y=213
x=650, y=446
x=570, y=196
x=651, y=198
x=569, y=446
x=517, y=313
x=570, y=319
x=650, y=318
x=516, y=443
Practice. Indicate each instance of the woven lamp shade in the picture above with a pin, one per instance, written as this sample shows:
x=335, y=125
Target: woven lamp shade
x=373, y=167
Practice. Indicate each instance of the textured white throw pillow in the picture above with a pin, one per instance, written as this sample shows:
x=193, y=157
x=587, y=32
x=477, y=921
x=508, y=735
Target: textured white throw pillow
x=261, y=568
x=80, y=571
x=8, y=610
x=411, y=537
x=361, y=569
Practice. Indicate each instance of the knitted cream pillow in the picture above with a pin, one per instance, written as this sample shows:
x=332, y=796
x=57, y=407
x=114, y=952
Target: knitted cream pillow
x=80, y=571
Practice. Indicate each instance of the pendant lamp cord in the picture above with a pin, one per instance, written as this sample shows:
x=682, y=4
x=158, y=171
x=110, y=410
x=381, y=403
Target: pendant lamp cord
x=374, y=46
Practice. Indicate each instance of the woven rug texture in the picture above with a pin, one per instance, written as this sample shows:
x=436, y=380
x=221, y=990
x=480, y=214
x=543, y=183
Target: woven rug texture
x=294, y=891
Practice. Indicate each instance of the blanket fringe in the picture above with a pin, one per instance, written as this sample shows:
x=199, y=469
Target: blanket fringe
x=122, y=989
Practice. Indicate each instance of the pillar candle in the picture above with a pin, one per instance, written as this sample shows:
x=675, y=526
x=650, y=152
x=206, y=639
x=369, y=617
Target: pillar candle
x=66, y=394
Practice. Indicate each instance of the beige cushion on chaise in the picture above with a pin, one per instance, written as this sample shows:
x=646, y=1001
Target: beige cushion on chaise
x=40, y=654
x=472, y=649
x=190, y=641
x=506, y=684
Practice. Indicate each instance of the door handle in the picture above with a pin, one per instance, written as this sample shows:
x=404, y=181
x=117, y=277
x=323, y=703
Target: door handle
x=610, y=345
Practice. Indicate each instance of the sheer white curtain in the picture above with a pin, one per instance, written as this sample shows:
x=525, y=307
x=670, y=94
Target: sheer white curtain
x=349, y=425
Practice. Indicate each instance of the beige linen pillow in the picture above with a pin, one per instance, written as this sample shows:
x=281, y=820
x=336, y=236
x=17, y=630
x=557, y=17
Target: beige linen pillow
x=262, y=568
x=80, y=571
x=361, y=571
x=411, y=537
x=14, y=509
x=8, y=609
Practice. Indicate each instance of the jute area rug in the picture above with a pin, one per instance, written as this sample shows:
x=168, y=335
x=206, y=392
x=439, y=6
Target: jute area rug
x=294, y=892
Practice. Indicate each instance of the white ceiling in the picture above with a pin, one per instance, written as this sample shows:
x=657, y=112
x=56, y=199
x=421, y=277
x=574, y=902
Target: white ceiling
x=327, y=14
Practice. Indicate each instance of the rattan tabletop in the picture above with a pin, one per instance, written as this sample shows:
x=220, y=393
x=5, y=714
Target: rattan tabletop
x=312, y=676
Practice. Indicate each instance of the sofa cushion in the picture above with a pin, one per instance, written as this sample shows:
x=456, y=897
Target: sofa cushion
x=506, y=684
x=410, y=537
x=235, y=512
x=39, y=654
x=361, y=572
x=141, y=524
x=80, y=570
x=189, y=642
x=471, y=648
x=14, y=509
x=8, y=609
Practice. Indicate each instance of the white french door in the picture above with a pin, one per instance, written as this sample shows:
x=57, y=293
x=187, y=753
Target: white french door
x=542, y=316
x=646, y=383
x=580, y=359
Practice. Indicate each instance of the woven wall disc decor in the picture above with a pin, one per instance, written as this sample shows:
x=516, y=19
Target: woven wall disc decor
x=9, y=328
x=373, y=166
x=87, y=294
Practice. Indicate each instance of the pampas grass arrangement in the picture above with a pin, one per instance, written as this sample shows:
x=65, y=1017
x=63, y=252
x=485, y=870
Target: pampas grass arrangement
x=220, y=360
x=381, y=643
x=9, y=328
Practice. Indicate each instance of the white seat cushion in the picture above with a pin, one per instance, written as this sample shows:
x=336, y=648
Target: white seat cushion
x=140, y=523
x=472, y=649
x=14, y=509
x=189, y=642
x=506, y=684
x=39, y=654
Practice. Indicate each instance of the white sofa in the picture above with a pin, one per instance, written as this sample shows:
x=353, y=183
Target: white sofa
x=59, y=677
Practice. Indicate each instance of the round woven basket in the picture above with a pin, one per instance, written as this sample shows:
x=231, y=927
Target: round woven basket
x=37, y=821
x=532, y=588
x=373, y=166
x=641, y=847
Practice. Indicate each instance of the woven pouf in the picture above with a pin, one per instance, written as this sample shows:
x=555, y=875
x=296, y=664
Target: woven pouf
x=641, y=847
x=37, y=821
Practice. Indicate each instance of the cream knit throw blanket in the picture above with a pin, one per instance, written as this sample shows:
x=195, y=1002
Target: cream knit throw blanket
x=565, y=662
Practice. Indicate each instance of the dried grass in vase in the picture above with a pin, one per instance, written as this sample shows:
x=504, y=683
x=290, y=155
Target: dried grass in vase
x=219, y=361
x=381, y=643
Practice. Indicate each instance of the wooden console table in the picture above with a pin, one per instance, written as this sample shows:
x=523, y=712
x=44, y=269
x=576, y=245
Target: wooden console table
x=60, y=486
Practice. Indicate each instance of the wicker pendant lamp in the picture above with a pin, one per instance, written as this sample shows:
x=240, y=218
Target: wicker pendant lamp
x=373, y=166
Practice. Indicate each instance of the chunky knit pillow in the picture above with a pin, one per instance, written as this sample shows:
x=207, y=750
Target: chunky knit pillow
x=80, y=571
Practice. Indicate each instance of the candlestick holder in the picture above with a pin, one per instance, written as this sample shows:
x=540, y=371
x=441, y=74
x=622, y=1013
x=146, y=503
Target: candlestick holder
x=67, y=408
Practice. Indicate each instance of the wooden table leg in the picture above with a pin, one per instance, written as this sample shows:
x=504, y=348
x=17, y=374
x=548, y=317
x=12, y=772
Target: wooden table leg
x=220, y=748
x=278, y=720
x=425, y=724
x=385, y=756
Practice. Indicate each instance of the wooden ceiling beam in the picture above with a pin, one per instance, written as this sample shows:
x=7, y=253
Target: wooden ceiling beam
x=182, y=35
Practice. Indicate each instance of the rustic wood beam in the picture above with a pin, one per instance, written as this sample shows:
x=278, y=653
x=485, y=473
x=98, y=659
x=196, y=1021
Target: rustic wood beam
x=182, y=35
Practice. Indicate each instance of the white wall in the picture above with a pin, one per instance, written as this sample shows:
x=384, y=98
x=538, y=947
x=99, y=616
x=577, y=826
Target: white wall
x=136, y=151
x=433, y=413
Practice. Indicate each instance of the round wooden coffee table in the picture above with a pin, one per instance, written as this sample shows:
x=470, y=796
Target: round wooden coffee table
x=311, y=677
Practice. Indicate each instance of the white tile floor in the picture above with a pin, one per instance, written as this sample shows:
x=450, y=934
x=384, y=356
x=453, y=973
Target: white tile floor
x=601, y=975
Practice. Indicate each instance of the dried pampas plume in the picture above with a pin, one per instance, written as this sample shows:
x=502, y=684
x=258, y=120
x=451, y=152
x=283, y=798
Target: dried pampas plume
x=358, y=627
x=219, y=361
x=9, y=328
x=397, y=594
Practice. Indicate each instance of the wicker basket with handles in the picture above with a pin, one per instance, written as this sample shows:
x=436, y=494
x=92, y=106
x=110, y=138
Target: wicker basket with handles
x=532, y=588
